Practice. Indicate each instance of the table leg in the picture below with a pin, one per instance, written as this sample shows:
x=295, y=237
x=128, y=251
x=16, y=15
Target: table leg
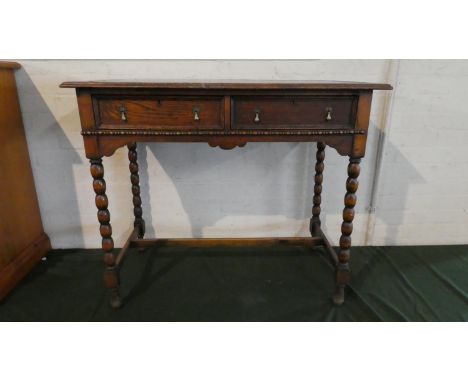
x=319, y=166
x=135, y=179
x=111, y=273
x=342, y=271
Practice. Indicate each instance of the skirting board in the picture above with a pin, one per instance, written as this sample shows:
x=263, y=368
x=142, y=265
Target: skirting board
x=15, y=271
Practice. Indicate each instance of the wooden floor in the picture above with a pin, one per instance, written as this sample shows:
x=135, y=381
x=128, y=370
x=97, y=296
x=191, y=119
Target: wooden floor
x=247, y=284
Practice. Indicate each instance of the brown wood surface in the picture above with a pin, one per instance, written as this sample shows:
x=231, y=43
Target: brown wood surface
x=326, y=244
x=99, y=146
x=135, y=181
x=22, y=237
x=161, y=112
x=228, y=85
x=228, y=242
x=294, y=112
x=111, y=272
x=22, y=263
x=284, y=117
x=362, y=123
x=9, y=65
x=123, y=251
x=315, y=222
x=350, y=199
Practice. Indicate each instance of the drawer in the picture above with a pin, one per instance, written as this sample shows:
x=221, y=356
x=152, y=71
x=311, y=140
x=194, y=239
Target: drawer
x=160, y=112
x=296, y=112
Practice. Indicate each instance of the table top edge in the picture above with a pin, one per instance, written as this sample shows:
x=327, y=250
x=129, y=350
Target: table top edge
x=228, y=85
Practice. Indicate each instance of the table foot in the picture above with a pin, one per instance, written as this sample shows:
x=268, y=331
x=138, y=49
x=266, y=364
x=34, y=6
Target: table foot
x=339, y=295
x=115, y=300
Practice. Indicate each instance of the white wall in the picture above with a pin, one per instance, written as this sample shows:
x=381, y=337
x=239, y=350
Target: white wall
x=261, y=189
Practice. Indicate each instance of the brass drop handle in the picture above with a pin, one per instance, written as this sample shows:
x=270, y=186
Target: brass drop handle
x=123, y=113
x=196, y=114
x=329, y=111
x=257, y=115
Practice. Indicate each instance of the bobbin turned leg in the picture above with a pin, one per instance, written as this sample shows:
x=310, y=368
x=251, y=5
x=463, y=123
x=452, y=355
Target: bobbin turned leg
x=111, y=273
x=342, y=271
x=319, y=166
x=135, y=179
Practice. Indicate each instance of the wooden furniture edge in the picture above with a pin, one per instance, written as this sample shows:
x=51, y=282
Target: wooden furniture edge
x=120, y=257
x=234, y=85
x=16, y=270
x=328, y=248
x=9, y=65
x=227, y=242
x=134, y=242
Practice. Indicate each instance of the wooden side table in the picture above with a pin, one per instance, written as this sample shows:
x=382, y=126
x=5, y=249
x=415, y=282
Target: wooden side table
x=225, y=114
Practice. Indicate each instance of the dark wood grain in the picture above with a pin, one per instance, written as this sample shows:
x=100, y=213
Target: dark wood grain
x=106, y=145
x=111, y=273
x=318, y=179
x=294, y=112
x=228, y=85
x=161, y=112
x=343, y=270
x=135, y=180
x=362, y=123
x=22, y=239
x=228, y=242
x=290, y=117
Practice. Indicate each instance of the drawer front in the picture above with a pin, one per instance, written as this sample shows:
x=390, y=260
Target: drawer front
x=313, y=112
x=160, y=113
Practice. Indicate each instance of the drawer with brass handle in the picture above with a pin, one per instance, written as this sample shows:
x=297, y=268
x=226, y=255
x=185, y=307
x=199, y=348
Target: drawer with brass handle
x=314, y=112
x=160, y=112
